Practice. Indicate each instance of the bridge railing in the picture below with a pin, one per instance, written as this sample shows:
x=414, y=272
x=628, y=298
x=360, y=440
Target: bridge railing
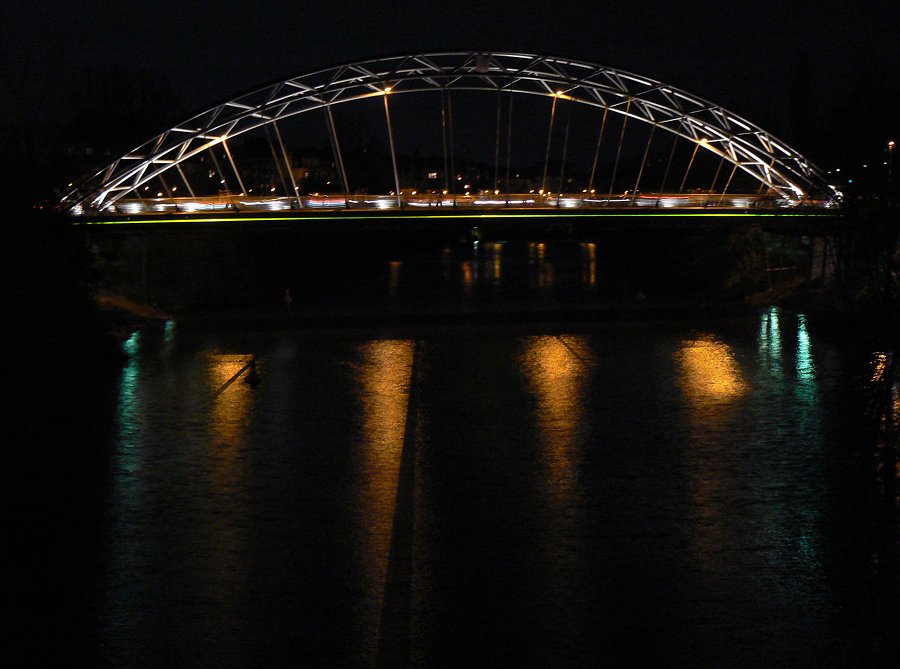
x=232, y=204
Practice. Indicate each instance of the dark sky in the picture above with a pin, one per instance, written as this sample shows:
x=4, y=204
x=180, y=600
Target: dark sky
x=772, y=62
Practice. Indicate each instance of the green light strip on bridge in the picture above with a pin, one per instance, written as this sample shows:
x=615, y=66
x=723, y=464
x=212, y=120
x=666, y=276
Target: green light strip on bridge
x=359, y=217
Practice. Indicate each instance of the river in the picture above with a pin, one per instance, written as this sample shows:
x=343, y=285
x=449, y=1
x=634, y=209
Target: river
x=607, y=485
x=645, y=492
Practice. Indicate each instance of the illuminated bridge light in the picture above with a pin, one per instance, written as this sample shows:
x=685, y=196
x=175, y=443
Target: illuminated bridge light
x=266, y=205
x=131, y=208
x=324, y=202
x=382, y=203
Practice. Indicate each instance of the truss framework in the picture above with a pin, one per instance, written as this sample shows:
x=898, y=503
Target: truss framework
x=745, y=145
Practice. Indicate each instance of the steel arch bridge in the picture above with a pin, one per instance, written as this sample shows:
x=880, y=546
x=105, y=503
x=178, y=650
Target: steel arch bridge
x=782, y=176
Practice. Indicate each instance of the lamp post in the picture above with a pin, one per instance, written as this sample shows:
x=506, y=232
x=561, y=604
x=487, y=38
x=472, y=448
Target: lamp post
x=890, y=170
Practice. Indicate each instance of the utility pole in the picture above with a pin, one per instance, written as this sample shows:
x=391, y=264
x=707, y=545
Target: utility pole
x=890, y=172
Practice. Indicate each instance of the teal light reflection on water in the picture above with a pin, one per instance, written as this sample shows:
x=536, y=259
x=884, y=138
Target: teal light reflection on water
x=169, y=332
x=791, y=532
x=132, y=345
x=806, y=389
x=770, y=343
x=129, y=414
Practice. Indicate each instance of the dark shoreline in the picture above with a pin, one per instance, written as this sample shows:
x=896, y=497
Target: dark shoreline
x=871, y=325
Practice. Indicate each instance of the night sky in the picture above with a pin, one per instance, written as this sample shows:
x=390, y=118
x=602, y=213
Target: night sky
x=804, y=70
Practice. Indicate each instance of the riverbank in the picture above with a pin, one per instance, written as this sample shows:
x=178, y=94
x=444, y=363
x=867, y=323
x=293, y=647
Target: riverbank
x=546, y=314
x=837, y=312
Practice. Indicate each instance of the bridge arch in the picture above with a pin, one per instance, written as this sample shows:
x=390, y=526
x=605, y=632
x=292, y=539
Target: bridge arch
x=780, y=171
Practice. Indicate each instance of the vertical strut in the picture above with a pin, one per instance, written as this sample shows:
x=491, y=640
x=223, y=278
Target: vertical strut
x=637, y=184
x=497, y=145
x=768, y=175
x=184, y=179
x=387, y=116
x=444, y=135
x=453, y=180
x=508, y=144
x=612, y=182
x=234, y=167
x=562, y=166
x=712, y=186
x=278, y=165
x=287, y=163
x=590, y=187
x=218, y=168
x=728, y=183
x=688, y=170
x=549, y=138
x=662, y=186
x=336, y=148
x=165, y=185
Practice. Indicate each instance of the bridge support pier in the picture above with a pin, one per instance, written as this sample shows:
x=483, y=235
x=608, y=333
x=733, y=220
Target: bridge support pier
x=822, y=266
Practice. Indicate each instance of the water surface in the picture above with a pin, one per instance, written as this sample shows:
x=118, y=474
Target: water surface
x=632, y=494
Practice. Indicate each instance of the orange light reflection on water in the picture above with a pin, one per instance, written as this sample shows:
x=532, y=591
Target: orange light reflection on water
x=223, y=569
x=540, y=271
x=384, y=376
x=589, y=264
x=711, y=383
x=709, y=372
x=558, y=371
x=231, y=405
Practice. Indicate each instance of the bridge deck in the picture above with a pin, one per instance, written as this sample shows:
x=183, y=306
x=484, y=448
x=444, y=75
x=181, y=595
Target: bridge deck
x=439, y=202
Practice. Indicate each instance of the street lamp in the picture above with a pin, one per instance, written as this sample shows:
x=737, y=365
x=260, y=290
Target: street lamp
x=890, y=169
